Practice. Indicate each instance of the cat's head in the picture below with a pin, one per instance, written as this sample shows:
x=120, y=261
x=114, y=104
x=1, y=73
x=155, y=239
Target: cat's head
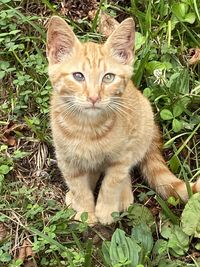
x=90, y=78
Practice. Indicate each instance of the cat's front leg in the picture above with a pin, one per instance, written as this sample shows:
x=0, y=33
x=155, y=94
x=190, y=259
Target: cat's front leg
x=115, y=193
x=80, y=196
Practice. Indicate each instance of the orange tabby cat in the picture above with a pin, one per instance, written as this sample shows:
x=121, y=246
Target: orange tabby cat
x=102, y=123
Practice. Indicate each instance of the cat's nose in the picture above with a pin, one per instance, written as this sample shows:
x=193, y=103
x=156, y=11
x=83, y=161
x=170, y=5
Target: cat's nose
x=93, y=99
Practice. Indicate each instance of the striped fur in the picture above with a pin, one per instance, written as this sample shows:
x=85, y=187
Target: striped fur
x=110, y=136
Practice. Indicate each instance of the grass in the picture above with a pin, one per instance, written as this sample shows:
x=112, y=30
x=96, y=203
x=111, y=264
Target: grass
x=31, y=192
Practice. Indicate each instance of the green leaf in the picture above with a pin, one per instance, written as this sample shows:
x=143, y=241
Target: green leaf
x=174, y=163
x=105, y=251
x=174, y=263
x=166, y=114
x=4, y=65
x=84, y=216
x=4, y=169
x=177, y=125
x=172, y=79
x=178, y=241
x=180, y=10
x=138, y=214
x=4, y=1
x=166, y=230
x=139, y=40
x=191, y=216
x=123, y=249
x=197, y=246
x=155, y=65
x=173, y=201
x=14, y=32
x=178, y=109
x=2, y=74
x=183, y=82
x=147, y=92
x=18, y=262
x=160, y=247
x=190, y=18
x=4, y=256
x=142, y=233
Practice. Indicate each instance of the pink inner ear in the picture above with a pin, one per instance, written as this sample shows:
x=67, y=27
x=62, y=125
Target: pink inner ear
x=121, y=43
x=59, y=45
x=124, y=56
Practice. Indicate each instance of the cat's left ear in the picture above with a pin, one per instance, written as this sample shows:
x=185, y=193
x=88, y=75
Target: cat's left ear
x=121, y=42
x=61, y=41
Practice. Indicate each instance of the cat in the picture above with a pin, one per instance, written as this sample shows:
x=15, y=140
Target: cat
x=101, y=123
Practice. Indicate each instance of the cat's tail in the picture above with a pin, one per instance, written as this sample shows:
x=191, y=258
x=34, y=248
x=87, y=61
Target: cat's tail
x=158, y=175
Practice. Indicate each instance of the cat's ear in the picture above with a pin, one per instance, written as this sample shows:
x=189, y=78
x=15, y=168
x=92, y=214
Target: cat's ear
x=61, y=41
x=121, y=42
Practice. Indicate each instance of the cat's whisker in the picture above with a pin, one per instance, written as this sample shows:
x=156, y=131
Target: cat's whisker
x=124, y=103
x=67, y=96
x=105, y=101
x=68, y=113
x=62, y=110
x=122, y=109
x=69, y=110
x=116, y=110
x=83, y=102
x=64, y=105
x=125, y=106
x=73, y=111
x=120, y=114
x=67, y=105
x=126, y=114
x=121, y=99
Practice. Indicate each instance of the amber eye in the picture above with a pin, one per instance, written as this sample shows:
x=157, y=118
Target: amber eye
x=78, y=76
x=108, y=77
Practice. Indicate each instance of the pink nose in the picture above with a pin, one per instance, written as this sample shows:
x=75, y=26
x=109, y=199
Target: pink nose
x=93, y=99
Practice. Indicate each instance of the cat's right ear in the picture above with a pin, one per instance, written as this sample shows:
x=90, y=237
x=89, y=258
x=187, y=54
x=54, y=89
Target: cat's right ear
x=61, y=41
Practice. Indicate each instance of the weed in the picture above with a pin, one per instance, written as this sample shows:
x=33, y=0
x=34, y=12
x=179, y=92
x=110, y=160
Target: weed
x=32, y=205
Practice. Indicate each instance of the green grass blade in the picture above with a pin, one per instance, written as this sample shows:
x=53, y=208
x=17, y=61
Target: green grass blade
x=26, y=19
x=95, y=21
x=53, y=242
x=88, y=253
x=196, y=9
x=167, y=211
x=186, y=141
x=50, y=6
x=78, y=243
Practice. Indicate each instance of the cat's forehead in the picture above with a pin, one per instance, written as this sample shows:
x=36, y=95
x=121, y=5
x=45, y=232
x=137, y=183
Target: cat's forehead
x=93, y=53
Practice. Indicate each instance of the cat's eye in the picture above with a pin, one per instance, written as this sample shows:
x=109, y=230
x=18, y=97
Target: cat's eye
x=78, y=76
x=108, y=77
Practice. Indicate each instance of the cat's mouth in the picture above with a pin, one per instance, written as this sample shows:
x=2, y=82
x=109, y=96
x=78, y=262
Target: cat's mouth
x=92, y=108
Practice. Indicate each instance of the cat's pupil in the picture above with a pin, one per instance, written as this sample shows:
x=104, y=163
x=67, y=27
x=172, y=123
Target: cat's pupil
x=78, y=76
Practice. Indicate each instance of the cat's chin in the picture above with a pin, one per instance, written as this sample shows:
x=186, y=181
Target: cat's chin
x=92, y=111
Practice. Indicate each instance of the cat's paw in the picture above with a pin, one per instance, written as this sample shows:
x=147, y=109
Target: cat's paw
x=126, y=199
x=92, y=219
x=68, y=199
x=103, y=213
